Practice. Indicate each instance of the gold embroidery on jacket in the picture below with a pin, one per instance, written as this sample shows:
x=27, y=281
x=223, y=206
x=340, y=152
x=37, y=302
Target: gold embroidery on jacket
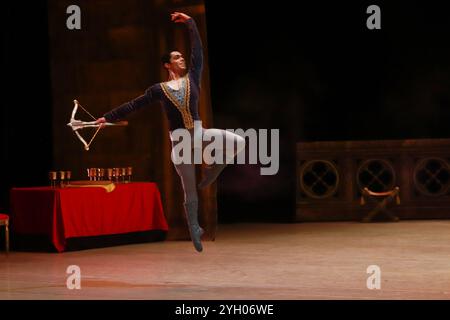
x=183, y=109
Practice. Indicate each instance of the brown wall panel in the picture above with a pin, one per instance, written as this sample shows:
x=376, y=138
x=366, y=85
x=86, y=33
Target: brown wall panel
x=331, y=175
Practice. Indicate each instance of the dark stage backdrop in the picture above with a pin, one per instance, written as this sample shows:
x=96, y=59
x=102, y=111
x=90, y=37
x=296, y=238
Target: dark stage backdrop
x=26, y=119
x=316, y=72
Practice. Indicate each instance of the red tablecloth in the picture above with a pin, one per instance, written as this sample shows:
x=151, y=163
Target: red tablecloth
x=63, y=213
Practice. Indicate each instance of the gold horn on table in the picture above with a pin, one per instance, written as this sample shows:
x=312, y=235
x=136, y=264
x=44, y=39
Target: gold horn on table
x=107, y=185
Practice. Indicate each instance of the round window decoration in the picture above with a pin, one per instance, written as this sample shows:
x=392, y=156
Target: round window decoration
x=432, y=176
x=319, y=179
x=377, y=175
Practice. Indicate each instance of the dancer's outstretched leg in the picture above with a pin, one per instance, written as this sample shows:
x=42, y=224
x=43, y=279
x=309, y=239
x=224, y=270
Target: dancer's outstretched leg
x=211, y=172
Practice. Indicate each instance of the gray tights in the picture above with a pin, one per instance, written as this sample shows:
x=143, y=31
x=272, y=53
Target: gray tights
x=187, y=171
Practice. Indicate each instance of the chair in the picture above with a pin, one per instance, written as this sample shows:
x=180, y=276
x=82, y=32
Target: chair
x=4, y=221
x=381, y=201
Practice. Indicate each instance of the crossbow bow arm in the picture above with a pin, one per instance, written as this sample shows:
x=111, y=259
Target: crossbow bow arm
x=78, y=124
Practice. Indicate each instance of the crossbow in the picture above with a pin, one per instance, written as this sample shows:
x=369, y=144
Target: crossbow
x=77, y=125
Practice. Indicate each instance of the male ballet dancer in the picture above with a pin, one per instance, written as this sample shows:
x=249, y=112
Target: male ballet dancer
x=180, y=96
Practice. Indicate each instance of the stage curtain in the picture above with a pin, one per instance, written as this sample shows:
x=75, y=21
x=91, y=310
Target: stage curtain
x=112, y=59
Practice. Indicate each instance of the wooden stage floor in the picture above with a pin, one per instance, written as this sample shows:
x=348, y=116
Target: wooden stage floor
x=250, y=261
